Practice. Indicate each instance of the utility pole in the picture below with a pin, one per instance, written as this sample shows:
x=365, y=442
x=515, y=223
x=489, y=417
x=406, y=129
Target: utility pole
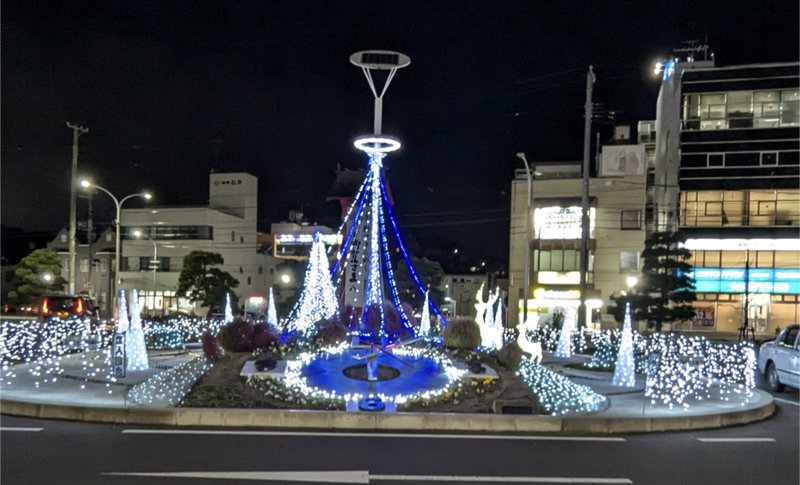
x=746, y=323
x=587, y=148
x=89, y=241
x=73, y=202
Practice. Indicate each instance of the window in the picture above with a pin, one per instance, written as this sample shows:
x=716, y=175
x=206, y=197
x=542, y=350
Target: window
x=271, y=271
x=233, y=236
x=63, y=238
x=712, y=111
x=84, y=265
x=102, y=300
x=108, y=237
x=631, y=219
x=694, y=160
x=742, y=159
x=241, y=270
x=789, y=158
x=790, y=336
x=764, y=259
x=557, y=260
x=740, y=113
x=790, y=108
x=148, y=264
x=103, y=265
x=249, y=280
x=260, y=269
x=241, y=239
x=716, y=160
x=629, y=261
x=770, y=158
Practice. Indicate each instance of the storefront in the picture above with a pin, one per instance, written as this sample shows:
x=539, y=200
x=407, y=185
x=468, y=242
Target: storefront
x=160, y=303
x=549, y=302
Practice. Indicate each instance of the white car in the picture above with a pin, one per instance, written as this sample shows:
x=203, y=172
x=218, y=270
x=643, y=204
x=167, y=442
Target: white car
x=779, y=360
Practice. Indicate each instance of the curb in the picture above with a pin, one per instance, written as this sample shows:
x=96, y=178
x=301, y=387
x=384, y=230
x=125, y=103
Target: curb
x=339, y=420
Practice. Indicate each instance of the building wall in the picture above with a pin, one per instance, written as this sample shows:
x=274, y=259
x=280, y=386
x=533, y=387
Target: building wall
x=97, y=284
x=610, y=196
x=462, y=289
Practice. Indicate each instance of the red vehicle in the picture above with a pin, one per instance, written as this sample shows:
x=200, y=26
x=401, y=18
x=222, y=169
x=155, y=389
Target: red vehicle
x=65, y=307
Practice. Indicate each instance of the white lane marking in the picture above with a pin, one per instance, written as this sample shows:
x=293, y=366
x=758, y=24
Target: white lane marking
x=30, y=430
x=365, y=477
x=371, y=435
x=786, y=401
x=736, y=440
x=308, y=477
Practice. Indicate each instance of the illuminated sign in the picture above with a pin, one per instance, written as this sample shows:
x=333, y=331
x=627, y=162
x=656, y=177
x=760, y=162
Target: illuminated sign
x=542, y=294
x=743, y=244
x=557, y=278
x=734, y=280
x=307, y=238
x=560, y=222
x=669, y=70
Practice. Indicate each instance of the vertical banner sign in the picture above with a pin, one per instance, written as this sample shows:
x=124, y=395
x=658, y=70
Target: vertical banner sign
x=118, y=356
x=355, y=274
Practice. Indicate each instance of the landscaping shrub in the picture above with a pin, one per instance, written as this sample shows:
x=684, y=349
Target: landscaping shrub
x=373, y=320
x=211, y=346
x=409, y=311
x=263, y=336
x=462, y=333
x=237, y=336
x=510, y=356
x=348, y=317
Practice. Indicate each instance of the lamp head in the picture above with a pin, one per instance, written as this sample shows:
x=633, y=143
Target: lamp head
x=286, y=278
x=632, y=280
x=86, y=184
x=137, y=233
x=521, y=155
x=147, y=195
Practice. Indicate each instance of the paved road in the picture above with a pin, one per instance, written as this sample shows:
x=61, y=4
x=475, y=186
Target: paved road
x=81, y=453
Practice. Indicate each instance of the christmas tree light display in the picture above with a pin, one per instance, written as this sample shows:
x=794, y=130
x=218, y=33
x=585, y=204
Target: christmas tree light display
x=228, y=311
x=135, y=347
x=564, y=349
x=498, y=317
x=318, y=299
x=625, y=371
x=122, y=313
x=425, y=319
x=272, y=315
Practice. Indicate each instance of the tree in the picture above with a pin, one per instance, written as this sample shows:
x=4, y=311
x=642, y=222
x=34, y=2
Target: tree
x=38, y=275
x=430, y=274
x=201, y=281
x=666, y=290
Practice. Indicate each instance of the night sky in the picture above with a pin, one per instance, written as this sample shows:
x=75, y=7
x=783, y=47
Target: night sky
x=171, y=90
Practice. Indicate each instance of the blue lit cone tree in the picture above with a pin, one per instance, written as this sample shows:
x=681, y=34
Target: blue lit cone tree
x=136, y=350
x=318, y=298
x=425, y=319
x=625, y=371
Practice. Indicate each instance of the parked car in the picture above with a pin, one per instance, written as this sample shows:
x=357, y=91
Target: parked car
x=779, y=360
x=64, y=307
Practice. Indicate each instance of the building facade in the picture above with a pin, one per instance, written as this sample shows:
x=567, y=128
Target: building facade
x=739, y=198
x=227, y=225
x=618, y=203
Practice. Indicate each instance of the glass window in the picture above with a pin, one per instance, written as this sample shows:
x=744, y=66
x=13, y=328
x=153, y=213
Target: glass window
x=764, y=259
x=629, y=261
x=694, y=160
x=790, y=108
x=544, y=261
x=732, y=259
x=769, y=158
x=103, y=265
x=742, y=159
x=740, y=113
x=716, y=160
x=572, y=260
x=249, y=280
x=63, y=238
x=790, y=336
x=557, y=260
x=631, y=219
x=789, y=158
x=711, y=259
x=84, y=265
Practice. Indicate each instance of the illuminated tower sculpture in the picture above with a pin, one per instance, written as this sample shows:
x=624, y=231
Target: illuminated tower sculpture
x=363, y=273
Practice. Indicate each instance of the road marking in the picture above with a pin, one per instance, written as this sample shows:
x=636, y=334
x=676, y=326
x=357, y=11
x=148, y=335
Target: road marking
x=30, y=430
x=371, y=435
x=365, y=477
x=786, y=401
x=736, y=440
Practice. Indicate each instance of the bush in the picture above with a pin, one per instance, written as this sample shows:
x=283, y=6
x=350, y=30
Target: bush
x=462, y=333
x=211, y=346
x=348, y=318
x=510, y=356
x=331, y=331
x=373, y=320
x=264, y=335
x=237, y=336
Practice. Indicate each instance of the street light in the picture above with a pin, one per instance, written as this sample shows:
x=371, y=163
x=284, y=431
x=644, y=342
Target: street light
x=286, y=278
x=46, y=277
x=632, y=280
x=118, y=203
x=138, y=234
x=521, y=156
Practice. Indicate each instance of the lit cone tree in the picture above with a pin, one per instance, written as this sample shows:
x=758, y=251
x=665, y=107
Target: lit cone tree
x=122, y=313
x=136, y=350
x=425, y=319
x=318, y=299
x=228, y=310
x=625, y=373
x=272, y=315
x=564, y=348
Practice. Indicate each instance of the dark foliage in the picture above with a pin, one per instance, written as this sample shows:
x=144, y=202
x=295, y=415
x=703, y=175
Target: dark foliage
x=462, y=333
x=372, y=319
x=510, y=356
x=409, y=311
x=348, y=317
x=264, y=335
x=237, y=336
x=211, y=346
x=331, y=331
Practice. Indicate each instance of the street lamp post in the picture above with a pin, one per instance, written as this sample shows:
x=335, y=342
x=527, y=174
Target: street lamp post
x=154, y=263
x=146, y=196
x=521, y=156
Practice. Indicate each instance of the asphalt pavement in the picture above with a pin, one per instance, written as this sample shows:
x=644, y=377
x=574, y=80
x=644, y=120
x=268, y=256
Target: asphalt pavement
x=44, y=451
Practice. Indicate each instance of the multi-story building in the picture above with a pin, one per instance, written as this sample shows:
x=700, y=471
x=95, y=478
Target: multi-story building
x=727, y=175
x=227, y=225
x=460, y=292
x=618, y=202
x=94, y=265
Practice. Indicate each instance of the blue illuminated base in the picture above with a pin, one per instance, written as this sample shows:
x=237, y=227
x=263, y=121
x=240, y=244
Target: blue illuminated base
x=371, y=404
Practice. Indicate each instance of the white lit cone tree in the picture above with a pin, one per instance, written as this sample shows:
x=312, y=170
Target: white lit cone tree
x=122, y=313
x=564, y=348
x=136, y=350
x=228, y=310
x=625, y=371
x=425, y=319
x=272, y=315
x=318, y=299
